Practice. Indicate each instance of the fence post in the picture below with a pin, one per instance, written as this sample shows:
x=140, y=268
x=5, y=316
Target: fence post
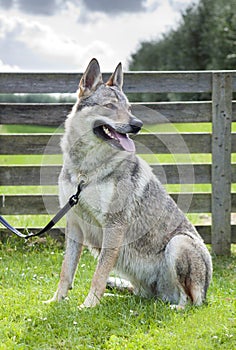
x=221, y=162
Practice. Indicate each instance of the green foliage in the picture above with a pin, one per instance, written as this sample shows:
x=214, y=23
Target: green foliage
x=29, y=275
x=205, y=39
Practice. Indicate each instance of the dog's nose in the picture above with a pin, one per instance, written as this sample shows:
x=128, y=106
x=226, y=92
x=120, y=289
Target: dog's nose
x=136, y=125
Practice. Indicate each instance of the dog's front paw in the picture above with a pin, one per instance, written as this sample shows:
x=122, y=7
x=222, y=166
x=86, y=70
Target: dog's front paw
x=86, y=306
x=49, y=301
x=90, y=301
x=56, y=297
x=82, y=306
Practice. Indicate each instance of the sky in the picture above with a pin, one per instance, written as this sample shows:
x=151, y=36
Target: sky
x=63, y=35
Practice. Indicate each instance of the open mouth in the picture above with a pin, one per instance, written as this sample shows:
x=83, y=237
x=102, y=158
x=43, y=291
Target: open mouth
x=114, y=138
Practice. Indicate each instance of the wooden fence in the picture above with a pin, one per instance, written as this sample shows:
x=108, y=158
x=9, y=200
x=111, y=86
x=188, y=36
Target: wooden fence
x=220, y=143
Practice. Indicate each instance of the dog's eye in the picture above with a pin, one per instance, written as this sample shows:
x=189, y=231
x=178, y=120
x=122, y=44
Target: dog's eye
x=110, y=105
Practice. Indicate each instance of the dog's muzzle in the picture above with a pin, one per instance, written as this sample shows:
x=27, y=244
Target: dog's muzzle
x=117, y=134
x=135, y=124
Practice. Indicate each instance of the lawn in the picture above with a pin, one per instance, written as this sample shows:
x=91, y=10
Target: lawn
x=30, y=273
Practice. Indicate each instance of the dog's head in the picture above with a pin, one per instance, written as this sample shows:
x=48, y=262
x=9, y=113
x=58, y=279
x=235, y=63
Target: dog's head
x=107, y=108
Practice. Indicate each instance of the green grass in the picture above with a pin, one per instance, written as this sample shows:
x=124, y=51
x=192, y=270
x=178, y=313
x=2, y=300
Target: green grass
x=29, y=275
x=30, y=272
x=22, y=129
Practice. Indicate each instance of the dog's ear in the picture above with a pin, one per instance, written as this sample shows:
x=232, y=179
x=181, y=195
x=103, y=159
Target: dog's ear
x=91, y=78
x=116, y=79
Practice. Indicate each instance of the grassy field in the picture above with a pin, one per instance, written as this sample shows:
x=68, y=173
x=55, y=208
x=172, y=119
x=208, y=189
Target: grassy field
x=30, y=272
x=29, y=275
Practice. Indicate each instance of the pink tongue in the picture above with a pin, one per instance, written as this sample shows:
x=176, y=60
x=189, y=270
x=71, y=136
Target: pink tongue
x=125, y=141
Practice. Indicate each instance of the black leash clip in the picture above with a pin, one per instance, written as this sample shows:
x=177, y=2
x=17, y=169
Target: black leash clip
x=73, y=200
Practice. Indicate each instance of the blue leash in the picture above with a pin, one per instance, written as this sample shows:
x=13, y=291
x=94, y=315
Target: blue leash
x=73, y=200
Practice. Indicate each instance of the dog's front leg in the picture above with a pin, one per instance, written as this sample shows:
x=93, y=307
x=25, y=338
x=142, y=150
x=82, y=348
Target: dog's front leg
x=74, y=239
x=106, y=262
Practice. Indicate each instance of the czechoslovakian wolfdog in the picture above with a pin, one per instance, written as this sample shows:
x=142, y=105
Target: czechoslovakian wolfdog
x=124, y=214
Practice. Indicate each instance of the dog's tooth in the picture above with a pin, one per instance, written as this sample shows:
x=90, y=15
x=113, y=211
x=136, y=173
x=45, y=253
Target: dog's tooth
x=107, y=131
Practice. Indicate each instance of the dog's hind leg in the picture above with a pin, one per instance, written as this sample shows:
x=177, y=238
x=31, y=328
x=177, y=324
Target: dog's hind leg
x=70, y=262
x=119, y=284
x=190, y=270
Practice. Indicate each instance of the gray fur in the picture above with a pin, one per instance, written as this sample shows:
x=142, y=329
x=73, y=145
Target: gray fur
x=124, y=214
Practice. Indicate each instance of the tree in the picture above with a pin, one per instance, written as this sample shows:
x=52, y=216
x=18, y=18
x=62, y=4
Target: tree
x=205, y=39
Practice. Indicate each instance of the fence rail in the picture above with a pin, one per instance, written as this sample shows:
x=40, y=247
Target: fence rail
x=53, y=114
x=157, y=82
x=219, y=144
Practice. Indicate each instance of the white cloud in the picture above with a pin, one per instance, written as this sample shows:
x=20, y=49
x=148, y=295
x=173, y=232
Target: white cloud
x=8, y=68
x=124, y=33
x=62, y=42
x=30, y=44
